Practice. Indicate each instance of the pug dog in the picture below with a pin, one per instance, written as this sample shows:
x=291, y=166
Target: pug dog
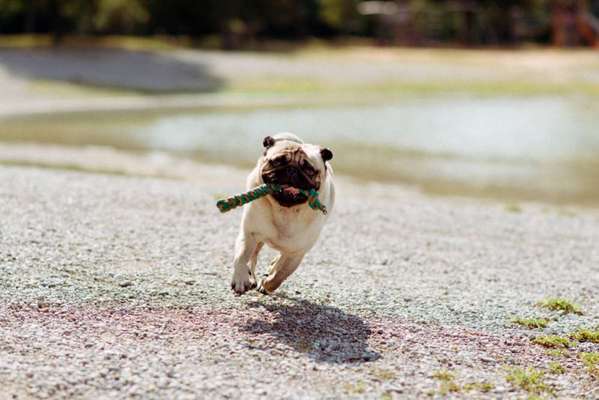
x=284, y=221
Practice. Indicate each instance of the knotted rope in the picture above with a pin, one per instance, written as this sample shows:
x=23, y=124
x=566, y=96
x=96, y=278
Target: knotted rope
x=230, y=203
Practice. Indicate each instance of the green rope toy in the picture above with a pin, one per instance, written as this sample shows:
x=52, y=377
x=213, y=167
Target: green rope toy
x=263, y=190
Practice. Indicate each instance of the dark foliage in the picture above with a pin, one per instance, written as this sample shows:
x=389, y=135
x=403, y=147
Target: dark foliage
x=236, y=22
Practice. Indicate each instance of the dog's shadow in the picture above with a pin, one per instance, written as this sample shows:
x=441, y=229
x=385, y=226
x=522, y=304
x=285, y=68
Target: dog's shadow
x=321, y=332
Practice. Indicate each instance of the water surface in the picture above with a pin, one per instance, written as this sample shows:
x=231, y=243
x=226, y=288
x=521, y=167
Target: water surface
x=540, y=148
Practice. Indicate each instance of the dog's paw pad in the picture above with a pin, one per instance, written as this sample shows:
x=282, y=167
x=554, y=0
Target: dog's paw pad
x=242, y=285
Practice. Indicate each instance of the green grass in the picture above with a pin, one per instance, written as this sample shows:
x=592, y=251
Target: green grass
x=586, y=335
x=591, y=361
x=552, y=341
x=530, y=379
x=532, y=323
x=560, y=304
x=556, y=368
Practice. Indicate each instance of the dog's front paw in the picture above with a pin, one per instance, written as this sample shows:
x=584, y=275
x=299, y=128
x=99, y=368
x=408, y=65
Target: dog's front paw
x=242, y=282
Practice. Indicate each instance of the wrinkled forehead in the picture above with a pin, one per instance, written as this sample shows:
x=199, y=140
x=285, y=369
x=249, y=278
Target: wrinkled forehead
x=308, y=151
x=283, y=148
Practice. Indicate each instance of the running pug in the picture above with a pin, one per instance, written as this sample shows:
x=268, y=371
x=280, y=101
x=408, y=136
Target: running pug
x=284, y=220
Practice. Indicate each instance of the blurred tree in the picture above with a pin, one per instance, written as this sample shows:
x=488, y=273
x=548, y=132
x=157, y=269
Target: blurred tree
x=11, y=16
x=76, y=15
x=120, y=16
x=435, y=21
x=184, y=17
x=342, y=15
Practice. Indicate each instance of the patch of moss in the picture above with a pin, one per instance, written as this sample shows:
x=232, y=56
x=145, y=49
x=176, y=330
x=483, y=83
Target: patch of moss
x=556, y=368
x=355, y=388
x=552, y=341
x=483, y=387
x=530, y=379
x=561, y=304
x=586, y=335
x=448, y=385
x=591, y=361
x=443, y=375
x=532, y=323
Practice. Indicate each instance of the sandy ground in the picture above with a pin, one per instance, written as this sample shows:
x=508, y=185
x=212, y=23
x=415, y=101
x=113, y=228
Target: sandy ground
x=117, y=286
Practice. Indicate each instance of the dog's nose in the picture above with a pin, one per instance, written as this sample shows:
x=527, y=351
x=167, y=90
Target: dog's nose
x=291, y=173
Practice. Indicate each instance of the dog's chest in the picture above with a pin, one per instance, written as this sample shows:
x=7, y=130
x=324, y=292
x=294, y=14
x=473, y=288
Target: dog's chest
x=290, y=223
x=295, y=230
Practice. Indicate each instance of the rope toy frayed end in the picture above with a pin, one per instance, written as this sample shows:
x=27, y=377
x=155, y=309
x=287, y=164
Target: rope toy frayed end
x=230, y=203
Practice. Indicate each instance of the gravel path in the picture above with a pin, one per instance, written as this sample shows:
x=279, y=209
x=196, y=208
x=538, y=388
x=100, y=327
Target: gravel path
x=118, y=286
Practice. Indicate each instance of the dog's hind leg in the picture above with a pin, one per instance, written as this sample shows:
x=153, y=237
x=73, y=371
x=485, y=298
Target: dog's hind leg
x=283, y=267
x=272, y=265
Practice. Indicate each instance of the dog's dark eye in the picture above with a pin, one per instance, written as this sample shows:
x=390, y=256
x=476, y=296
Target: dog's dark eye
x=278, y=161
x=308, y=169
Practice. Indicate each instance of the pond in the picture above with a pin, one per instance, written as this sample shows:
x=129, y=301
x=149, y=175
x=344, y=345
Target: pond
x=518, y=148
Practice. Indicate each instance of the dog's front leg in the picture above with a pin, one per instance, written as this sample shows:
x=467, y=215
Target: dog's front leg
x=284, y=265
x=243, y=280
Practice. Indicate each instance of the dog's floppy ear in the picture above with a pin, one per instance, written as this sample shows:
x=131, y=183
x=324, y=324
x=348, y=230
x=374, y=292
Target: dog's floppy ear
x=326, y=154
x=268, y=142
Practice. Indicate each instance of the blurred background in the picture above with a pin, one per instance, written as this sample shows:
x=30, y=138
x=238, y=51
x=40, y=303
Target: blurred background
x=496, y=99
